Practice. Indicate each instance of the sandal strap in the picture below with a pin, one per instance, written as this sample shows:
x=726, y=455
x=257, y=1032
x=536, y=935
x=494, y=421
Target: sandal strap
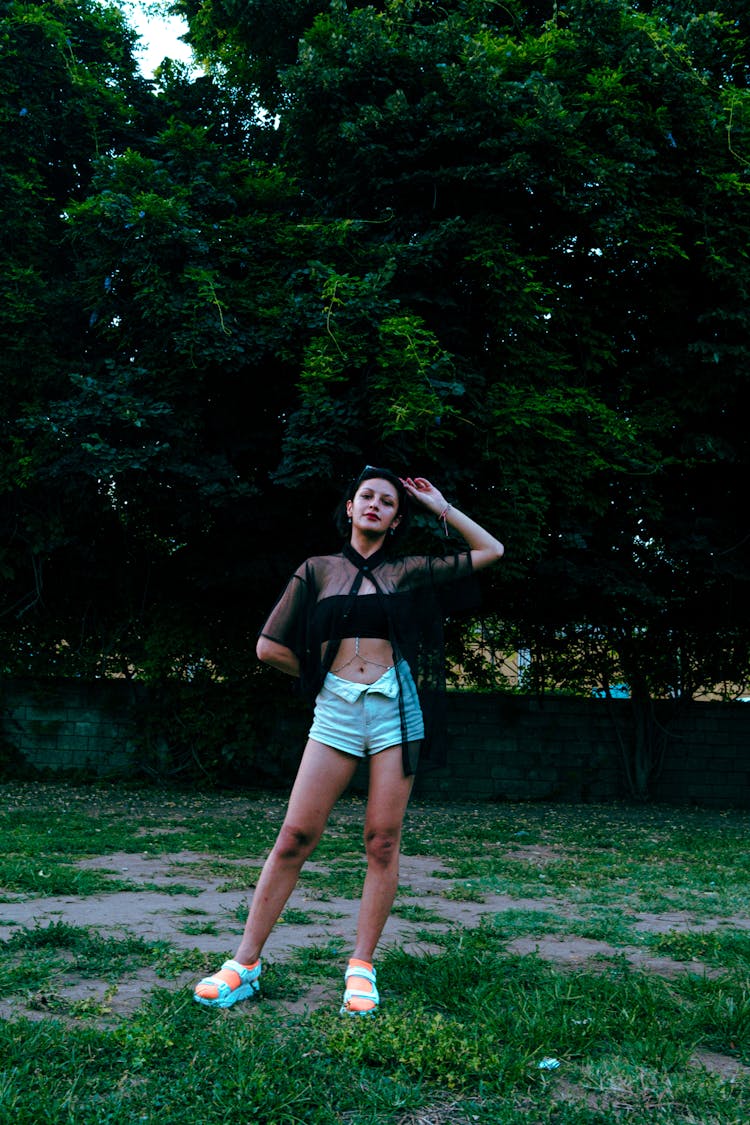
x=247, y=976
x=366, y=974
x=358, y=994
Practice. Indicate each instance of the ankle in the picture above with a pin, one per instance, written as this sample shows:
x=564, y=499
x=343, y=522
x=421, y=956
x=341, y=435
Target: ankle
x=361, y=962
x=248, y=962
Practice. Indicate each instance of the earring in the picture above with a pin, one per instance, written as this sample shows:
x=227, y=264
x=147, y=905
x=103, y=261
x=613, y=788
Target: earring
x=348, y=519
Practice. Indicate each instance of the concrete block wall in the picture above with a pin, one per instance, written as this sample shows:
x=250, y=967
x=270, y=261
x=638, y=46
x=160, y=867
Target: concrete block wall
x=707, y=760
x=508, y=747
x=71, y=724
x=500, y=747
x=521, y=748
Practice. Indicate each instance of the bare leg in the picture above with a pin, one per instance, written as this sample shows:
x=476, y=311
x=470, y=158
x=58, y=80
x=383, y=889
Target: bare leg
x=321, y=779
x=387, y=799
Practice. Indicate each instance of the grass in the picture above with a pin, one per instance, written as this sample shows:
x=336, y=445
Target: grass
x=463, y=1028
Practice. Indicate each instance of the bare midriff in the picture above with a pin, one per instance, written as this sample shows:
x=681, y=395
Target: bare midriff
x=363, y=660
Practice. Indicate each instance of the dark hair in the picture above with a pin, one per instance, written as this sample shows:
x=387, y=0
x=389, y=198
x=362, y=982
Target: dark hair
x=375, y=472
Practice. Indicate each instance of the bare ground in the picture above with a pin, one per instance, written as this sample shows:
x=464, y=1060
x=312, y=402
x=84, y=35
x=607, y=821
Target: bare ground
x=162, y=915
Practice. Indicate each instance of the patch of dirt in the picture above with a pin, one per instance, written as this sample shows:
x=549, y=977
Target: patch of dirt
x=155, y=913
x=723, y=1065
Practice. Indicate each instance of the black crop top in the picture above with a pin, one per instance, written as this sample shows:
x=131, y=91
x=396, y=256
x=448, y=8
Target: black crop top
x=366, y=617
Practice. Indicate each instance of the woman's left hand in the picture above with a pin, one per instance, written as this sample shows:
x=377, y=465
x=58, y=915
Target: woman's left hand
x=420, y=489
x=485, y=549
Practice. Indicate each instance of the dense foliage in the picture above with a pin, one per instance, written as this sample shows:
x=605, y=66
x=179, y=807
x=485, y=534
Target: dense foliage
x=504, y=245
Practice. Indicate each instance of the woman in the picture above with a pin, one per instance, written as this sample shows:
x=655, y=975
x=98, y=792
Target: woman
x=358, y=629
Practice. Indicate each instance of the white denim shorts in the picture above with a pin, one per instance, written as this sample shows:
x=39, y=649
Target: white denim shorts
x=361, y=719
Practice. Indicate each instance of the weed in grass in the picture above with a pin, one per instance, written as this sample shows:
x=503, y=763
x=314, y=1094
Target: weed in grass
x=61, y=951
x=72, y=831
x=511, y=924
x=169, y=963
x=406, y=890
x=239, y=912
x=94, y=1005
x=47, y=1000
x=434, y=937
x=211, y=867
x=413, y=912
x=230, y=877
x=41, y=877
x=292, y=917
x=497, y=875
x=729, y=947
x=315, y=894
x=606, y=924
x=464, y=892
x=611, y=856
x=239, y=883
x=720, y=1011
x=545, y=1012
x=93, y=954
x=428, y=1046
x=399, y=1068
x=198, y=929
x=229, y=838
x=14, y=972
x=318, y=960
x=627, y=1090
x=280, y=982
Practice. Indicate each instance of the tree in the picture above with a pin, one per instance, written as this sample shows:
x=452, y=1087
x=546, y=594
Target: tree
x=69, y=93
x=134, y=449
x=501, y=244
x=538, y=230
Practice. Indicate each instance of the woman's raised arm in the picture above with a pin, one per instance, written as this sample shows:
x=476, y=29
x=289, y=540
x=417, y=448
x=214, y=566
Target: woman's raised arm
x=483, y=547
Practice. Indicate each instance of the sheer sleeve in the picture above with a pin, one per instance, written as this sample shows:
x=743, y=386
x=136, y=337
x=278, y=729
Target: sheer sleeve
x=286, y=624
x=450, y=568
x=436, y=570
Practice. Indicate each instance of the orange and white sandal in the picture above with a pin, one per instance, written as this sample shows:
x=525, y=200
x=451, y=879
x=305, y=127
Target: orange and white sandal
x=360, y=1000
x=233, y=982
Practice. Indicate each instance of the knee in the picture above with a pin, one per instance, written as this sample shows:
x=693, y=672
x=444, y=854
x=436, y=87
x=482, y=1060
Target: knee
x=294, y=843
x=382, y=845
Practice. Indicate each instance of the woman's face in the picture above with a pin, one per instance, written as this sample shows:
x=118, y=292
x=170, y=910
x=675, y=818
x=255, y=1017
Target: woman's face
x=375, y=507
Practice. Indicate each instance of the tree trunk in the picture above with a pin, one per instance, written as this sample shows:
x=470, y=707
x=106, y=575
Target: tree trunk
x=642, y=747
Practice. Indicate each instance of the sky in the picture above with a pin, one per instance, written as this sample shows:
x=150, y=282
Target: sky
x=159, y=37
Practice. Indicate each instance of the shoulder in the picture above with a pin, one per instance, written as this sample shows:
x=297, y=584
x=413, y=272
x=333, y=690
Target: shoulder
x=318, y=562
x=318, y=565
